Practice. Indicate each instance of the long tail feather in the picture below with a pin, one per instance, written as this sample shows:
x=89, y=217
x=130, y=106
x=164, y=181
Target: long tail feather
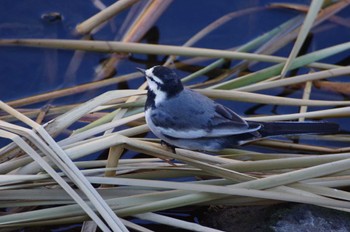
x=291, y=128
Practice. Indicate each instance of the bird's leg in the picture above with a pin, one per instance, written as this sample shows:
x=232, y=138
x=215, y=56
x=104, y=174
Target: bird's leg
x=169, y=148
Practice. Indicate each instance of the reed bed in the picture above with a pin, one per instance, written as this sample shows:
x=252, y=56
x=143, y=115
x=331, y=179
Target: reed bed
x=44, y=181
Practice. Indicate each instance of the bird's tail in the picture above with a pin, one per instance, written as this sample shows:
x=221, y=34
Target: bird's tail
x=269, y=129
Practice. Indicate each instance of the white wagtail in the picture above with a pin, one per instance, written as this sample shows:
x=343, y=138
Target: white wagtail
x=187, y=119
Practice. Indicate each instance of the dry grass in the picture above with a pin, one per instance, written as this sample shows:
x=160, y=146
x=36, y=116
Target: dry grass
x=40, y=171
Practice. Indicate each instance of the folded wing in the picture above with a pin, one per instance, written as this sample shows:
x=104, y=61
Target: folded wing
x=217, y=121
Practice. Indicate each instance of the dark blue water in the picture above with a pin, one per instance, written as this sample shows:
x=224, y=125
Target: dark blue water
x=28, y=71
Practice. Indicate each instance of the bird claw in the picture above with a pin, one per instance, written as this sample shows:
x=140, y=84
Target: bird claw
x=169, y=148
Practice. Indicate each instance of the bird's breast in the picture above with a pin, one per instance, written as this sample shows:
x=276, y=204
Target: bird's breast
x=148, y=118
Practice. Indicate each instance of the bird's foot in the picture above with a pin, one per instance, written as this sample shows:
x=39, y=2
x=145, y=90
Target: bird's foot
x=169, y=148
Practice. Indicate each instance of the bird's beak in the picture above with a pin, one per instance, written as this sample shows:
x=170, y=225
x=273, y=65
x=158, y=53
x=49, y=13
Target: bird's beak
x=143, y=71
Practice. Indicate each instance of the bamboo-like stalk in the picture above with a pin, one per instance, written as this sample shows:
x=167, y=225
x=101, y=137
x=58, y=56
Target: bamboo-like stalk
x=128, y=47
x=174, y=222
x=141, y=24
x=50, y=170
x=72, y=90
x=59, y=157
x=339, y=112
x=311, y=16
x=275, y=70
x=298, y=79
x=306, y=96
x=262, y=98
x=214, y=25
x=104, y=15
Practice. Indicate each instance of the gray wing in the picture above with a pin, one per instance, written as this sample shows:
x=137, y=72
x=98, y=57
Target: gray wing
x=204, y=118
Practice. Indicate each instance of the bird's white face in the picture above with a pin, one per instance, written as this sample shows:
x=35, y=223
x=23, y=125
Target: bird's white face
x=153, y=81
x=154, y=84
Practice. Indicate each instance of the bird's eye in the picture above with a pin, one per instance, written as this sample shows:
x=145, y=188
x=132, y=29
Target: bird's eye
x=155, y=81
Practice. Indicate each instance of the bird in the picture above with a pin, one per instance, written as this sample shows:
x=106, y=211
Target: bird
x=184, y=118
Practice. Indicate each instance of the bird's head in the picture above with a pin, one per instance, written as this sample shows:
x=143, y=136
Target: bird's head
x=162, y=79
